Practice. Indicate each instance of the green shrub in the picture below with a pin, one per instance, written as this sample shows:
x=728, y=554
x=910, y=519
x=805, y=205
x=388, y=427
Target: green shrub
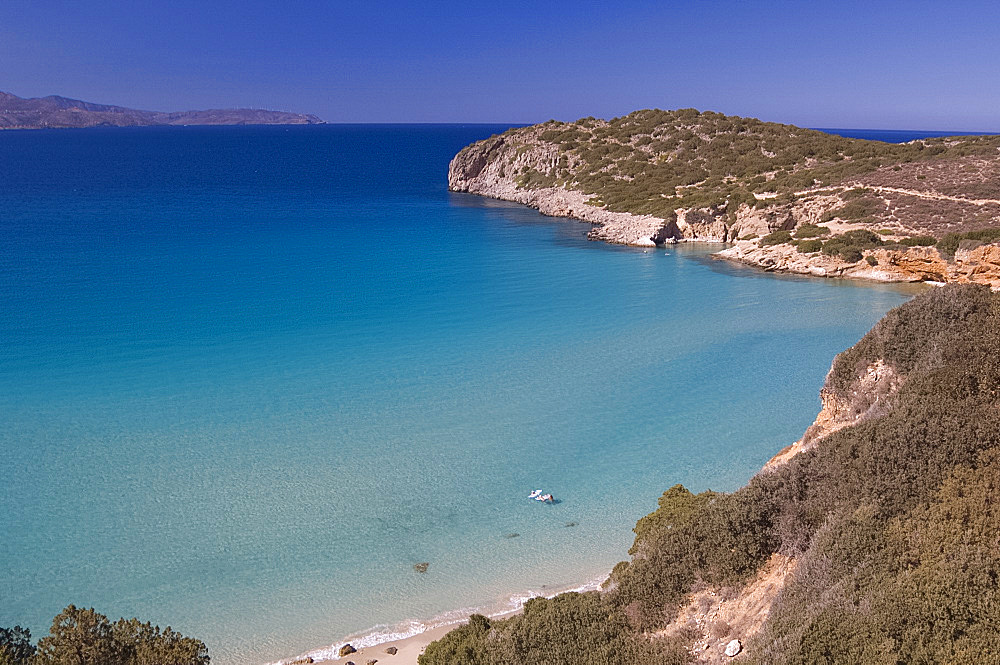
x=919, y=241
x=570, y=629
x=466, y=645
x=811, y=231
x=856, y=210
x=15, y=646
x=677, y=507
x=850, y=245
x=84, y=637
x=851, y=255
x=775, y=238
x=861, y=238
x=810, y=246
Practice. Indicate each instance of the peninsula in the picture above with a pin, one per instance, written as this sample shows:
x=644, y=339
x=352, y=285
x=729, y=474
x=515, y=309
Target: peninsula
x=788, y=199
x=61, y=112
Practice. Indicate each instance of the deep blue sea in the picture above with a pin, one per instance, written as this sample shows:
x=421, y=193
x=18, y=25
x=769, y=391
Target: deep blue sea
x=250, y=376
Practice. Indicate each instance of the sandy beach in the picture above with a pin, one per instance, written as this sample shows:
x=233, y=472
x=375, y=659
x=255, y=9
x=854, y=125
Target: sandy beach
x=408, y=650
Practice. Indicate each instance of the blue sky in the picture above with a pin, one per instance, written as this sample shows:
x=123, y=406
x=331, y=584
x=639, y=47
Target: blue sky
x=900, y=65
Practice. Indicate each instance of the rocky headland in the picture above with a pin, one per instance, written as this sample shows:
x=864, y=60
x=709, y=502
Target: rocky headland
x=62, y=112
x=788, y=199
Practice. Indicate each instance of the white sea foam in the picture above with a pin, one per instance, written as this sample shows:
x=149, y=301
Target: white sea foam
x=412, y=627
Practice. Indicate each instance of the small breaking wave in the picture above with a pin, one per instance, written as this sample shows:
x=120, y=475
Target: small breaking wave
x=410, y=628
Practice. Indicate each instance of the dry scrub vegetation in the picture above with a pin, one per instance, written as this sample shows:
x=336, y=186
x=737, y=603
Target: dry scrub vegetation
x=654, y=162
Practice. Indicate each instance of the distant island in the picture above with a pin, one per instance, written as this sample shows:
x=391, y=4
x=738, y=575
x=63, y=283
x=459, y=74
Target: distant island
x=789, y=199
x=62, y=112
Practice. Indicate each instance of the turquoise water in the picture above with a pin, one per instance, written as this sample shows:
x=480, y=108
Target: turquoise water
x=250, y=376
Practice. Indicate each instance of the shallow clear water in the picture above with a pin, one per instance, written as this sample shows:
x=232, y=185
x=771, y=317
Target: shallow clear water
x=250, y=376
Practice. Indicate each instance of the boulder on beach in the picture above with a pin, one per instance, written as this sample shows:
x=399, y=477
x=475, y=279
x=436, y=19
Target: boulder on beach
x=421, y=567
x=346, y=650
x=391, y=651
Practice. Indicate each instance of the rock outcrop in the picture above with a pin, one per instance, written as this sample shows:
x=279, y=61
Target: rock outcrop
x=979, y=264
x=491, y=167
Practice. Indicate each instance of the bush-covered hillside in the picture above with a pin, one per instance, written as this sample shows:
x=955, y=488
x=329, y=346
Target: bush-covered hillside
x=654, y=162
x=893, y=522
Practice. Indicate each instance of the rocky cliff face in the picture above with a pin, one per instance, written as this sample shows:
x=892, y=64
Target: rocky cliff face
x=492, y=167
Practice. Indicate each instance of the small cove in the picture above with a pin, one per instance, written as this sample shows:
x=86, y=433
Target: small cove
x=251, y=376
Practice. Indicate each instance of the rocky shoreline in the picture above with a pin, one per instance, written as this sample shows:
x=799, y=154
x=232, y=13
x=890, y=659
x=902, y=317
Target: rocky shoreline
x=621, y=228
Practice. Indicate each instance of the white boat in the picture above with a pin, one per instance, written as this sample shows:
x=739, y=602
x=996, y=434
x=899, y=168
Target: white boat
x=535, y=494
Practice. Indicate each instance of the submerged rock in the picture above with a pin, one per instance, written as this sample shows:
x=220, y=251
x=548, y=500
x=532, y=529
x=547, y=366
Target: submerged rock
x=511, y=535
x=421, y=567
x=570, y=523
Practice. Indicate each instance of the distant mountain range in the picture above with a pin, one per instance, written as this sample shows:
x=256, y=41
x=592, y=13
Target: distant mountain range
x=54, y=111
